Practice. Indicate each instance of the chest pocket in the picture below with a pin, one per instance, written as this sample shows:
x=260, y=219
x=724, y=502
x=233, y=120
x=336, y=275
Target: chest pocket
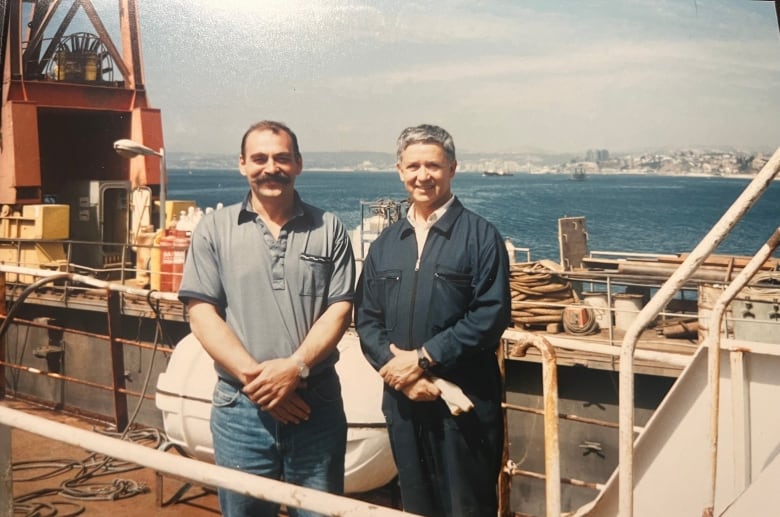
x=387, y=285
x=315, y=273
x=451, y=296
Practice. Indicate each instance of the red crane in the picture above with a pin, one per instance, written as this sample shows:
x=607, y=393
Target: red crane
x=70, y=89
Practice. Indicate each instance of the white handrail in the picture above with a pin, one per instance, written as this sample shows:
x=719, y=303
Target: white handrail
x=712, y=342
x=667, y=291
x=90, y=281
x=186, y=468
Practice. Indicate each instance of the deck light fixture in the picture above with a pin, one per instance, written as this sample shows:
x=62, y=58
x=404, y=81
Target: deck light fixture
x=127, y=148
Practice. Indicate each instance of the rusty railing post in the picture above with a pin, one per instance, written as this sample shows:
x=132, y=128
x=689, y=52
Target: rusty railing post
x=504, y=477
x=552, y=457
x=6, y=473
x=117, y=360
x=3, y=313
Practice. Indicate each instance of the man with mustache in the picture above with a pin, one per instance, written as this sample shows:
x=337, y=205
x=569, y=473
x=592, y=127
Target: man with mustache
x=432, y=302
x=268, y=284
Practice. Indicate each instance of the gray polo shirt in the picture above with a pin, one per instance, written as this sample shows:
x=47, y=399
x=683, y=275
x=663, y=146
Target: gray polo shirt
x=270, y=291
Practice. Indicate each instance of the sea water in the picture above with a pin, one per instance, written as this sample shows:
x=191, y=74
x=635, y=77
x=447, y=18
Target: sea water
x=623, y=212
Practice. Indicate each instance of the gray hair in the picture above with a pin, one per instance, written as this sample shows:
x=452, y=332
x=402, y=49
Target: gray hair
x=426, y=134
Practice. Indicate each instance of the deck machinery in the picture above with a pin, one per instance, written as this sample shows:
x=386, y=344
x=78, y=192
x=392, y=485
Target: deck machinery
x=70, y=89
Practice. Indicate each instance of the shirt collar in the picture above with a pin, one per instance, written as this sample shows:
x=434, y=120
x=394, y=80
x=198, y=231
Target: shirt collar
x=444, y=223
x=435, y=216
x=247, y=212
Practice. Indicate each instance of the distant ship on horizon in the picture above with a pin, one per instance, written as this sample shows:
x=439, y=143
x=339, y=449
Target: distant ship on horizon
x=497, y=173
x=578, y=174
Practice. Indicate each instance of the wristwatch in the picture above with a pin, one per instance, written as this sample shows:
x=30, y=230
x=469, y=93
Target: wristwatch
x=422, y=361
x=303, y=369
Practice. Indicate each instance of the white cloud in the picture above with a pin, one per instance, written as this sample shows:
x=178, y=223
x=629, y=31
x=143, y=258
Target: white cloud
x=547, y=73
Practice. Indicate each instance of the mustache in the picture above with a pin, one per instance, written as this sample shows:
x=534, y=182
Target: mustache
x=277, y=177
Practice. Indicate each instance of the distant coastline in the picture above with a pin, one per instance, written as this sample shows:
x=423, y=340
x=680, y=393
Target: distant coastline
x=689, y=163
x=741, y=176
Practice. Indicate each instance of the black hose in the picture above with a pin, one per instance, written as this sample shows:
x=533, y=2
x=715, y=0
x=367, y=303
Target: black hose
x=23, y=296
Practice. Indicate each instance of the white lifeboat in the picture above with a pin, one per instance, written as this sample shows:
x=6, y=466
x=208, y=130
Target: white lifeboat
x=184, y=396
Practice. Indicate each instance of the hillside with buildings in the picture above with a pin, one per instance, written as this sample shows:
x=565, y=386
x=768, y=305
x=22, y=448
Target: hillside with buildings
x=593, y=161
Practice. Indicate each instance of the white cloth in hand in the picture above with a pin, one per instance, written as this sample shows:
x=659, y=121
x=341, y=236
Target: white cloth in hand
x=451, y=393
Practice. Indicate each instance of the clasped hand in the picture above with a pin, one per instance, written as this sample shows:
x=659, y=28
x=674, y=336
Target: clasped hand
x=272, y=386
x=403, y=374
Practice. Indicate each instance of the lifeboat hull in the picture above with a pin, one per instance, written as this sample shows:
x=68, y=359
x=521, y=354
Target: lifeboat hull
x=184, y=397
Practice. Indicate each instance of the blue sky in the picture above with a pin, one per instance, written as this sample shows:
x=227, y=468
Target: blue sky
x=500, y=75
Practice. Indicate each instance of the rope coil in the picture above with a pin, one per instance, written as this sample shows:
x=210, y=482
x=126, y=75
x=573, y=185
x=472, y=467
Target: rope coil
x=539, y=295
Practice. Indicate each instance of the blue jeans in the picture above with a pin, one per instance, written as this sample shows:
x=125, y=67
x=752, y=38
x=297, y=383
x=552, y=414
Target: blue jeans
x=309, y=454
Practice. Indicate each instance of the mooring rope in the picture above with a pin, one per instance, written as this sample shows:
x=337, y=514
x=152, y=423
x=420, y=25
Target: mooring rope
x=539, y=295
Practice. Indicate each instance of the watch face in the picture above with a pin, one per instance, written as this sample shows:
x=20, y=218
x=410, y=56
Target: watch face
x=303, y=368
x=422, y=360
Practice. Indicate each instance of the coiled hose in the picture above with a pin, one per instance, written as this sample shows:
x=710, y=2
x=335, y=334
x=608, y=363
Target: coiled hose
x=580, y=320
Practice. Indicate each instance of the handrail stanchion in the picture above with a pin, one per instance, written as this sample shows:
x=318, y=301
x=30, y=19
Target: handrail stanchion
x=504, y=477
x=552, y=461
x=6, y=473
x=666, y=292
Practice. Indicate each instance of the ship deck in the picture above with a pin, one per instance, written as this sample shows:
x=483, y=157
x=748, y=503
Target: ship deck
x=38, y=469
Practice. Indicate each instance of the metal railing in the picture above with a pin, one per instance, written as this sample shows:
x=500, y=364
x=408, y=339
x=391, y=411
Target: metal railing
x=111, y=306
x=552, y=462
x=185, y=468
x=121, y=264
x=712, y=343
x=679, y=280
x=689, y=266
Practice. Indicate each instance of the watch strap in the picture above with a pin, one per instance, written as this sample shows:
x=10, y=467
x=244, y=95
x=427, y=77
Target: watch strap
x=422, y=361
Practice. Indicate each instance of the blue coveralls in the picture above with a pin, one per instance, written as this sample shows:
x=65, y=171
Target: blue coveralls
x=456, y=305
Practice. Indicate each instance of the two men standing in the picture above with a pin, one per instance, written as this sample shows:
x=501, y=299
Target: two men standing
x=268, y=283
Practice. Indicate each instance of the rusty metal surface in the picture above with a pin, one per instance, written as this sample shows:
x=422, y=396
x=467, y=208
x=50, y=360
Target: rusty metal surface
x=521, y=342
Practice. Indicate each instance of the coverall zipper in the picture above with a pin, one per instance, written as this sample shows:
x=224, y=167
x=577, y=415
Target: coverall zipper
x=414, y=296
x=411, y=307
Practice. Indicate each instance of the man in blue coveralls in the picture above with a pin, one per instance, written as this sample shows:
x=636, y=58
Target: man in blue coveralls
x=268, y=283
x=432, y=302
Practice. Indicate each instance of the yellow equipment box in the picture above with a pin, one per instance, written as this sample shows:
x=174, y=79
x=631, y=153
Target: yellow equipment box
x=37, y=222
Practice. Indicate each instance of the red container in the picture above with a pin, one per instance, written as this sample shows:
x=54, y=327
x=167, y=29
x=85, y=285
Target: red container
x=180, y=246
x=167, y=253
